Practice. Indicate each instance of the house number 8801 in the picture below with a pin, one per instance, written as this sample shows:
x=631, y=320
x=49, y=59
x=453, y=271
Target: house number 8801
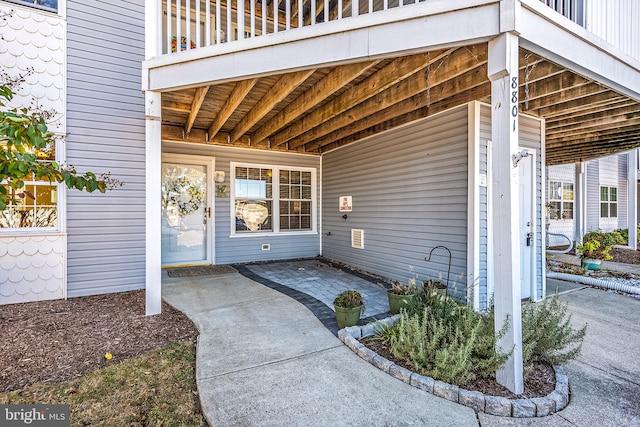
x=514, y=101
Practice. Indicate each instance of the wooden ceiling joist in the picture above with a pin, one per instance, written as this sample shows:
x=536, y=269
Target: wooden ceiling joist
x=330, y=84
x=387, y=76
x=238, y=94
x=359, y=117
x=280, y=90
x=315, y=111
x=198, y=99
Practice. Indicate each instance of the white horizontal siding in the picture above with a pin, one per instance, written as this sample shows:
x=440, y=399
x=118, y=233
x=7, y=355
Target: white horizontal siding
x=409, y=190
x=105, y=116
x=249, y=248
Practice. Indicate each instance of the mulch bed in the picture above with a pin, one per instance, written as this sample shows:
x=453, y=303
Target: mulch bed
x=540, y=382
x=54, y=341
x=625, y=256
x=205, y=270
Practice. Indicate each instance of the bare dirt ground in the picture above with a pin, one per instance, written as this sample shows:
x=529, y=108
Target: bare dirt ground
x=625, y=256
x=54, y=341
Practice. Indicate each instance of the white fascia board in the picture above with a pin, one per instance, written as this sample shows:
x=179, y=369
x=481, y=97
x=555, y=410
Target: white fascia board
x=411, y=29
x=547, y=33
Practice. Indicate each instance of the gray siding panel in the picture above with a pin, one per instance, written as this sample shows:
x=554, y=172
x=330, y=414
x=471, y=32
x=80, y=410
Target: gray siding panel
x=593, y=195
x=106, y=132
x=623, y=190
x=409, y=189
x=246, y=249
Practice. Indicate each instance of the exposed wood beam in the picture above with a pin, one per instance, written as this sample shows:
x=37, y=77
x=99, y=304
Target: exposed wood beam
x=198, y=99
x=570, y=96
x=549, y=86
x=613, y=115
x=236, y=96
x=387, y=76
x=414, y=108
x=602, y=136
x=459, y=62
x=280, y=91
x=588, y=152
x=603, y=97
x=537, y=70
x=591, y=108
x=595, y=127
x=327, y=86
x=178, y=107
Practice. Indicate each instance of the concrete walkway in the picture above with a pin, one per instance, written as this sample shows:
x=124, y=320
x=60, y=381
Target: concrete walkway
x=265, y=359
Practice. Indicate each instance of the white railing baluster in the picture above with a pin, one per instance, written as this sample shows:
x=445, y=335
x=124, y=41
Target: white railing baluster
x=240, y=15
x=385, y=5
x=229, y=21
x=275, y=16
x=326, y=10
x=253, y=18
x=355, y=8
x=178, y=26
x=370, y=6
x=300, y=13
x=207, y=23
x=287, y=11
x=198, y=35
x=312, y=18
x=218, y=22
x=169, y=26
x=264, y=17
x=187, y=23
x=340, y=9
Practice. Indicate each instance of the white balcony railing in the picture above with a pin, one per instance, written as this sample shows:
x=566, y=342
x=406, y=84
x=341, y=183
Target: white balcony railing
x=190, y=24
x=197, y=23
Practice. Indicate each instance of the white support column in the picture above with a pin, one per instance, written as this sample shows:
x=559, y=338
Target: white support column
x=503, y=73
x=152, y=28
x=153, y=212
x=632, y=198
x=580, y=202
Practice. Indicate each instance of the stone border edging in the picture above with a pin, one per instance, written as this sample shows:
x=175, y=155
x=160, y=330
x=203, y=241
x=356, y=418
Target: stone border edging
x=479, y=402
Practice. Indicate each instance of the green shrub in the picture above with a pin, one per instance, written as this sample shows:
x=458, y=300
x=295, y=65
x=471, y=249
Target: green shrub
x=446, y=340
x=451, y=342
x=547, y=334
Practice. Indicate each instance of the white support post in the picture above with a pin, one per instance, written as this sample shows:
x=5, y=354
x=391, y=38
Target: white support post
x=152, y=26
x=580, y=202
x=503, y=73
x=632, y=198
x=153, y=212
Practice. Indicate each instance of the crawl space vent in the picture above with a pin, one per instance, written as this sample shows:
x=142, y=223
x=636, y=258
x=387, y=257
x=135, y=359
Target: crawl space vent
x=357, y=238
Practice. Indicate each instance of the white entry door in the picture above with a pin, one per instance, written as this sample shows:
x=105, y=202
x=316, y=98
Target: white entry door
x=527, y=224
x=186, y=210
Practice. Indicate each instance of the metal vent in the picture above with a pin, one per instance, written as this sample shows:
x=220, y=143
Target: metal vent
x=357, y=238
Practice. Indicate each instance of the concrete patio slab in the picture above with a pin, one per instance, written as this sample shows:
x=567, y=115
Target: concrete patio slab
x=333, y=387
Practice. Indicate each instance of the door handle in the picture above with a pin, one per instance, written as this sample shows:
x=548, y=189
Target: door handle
x=529, y=238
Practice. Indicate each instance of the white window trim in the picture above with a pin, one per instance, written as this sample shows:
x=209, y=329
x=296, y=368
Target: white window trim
x=608, y=202
x=275, y=213
x=562, y=200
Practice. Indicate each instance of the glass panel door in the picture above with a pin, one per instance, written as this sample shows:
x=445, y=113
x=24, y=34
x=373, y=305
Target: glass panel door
x=185, y=214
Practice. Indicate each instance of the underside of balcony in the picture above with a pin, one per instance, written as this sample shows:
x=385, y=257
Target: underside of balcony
x=318, y=110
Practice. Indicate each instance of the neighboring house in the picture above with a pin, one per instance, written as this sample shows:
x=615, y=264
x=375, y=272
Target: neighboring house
x=597, y=198
x=370, y=139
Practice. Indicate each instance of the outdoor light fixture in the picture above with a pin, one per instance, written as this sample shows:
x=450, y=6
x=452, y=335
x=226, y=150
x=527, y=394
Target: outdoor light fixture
x=219, y=176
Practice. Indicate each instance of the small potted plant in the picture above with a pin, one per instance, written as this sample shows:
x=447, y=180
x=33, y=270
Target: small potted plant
x=592, y=253
x=349, y=307
x=401, y=295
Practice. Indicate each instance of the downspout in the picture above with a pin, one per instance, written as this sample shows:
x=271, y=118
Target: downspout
x=615, y=286
x=320, y=207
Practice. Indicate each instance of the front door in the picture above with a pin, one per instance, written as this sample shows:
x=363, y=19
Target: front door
x=186, y=210
x=527, y=224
